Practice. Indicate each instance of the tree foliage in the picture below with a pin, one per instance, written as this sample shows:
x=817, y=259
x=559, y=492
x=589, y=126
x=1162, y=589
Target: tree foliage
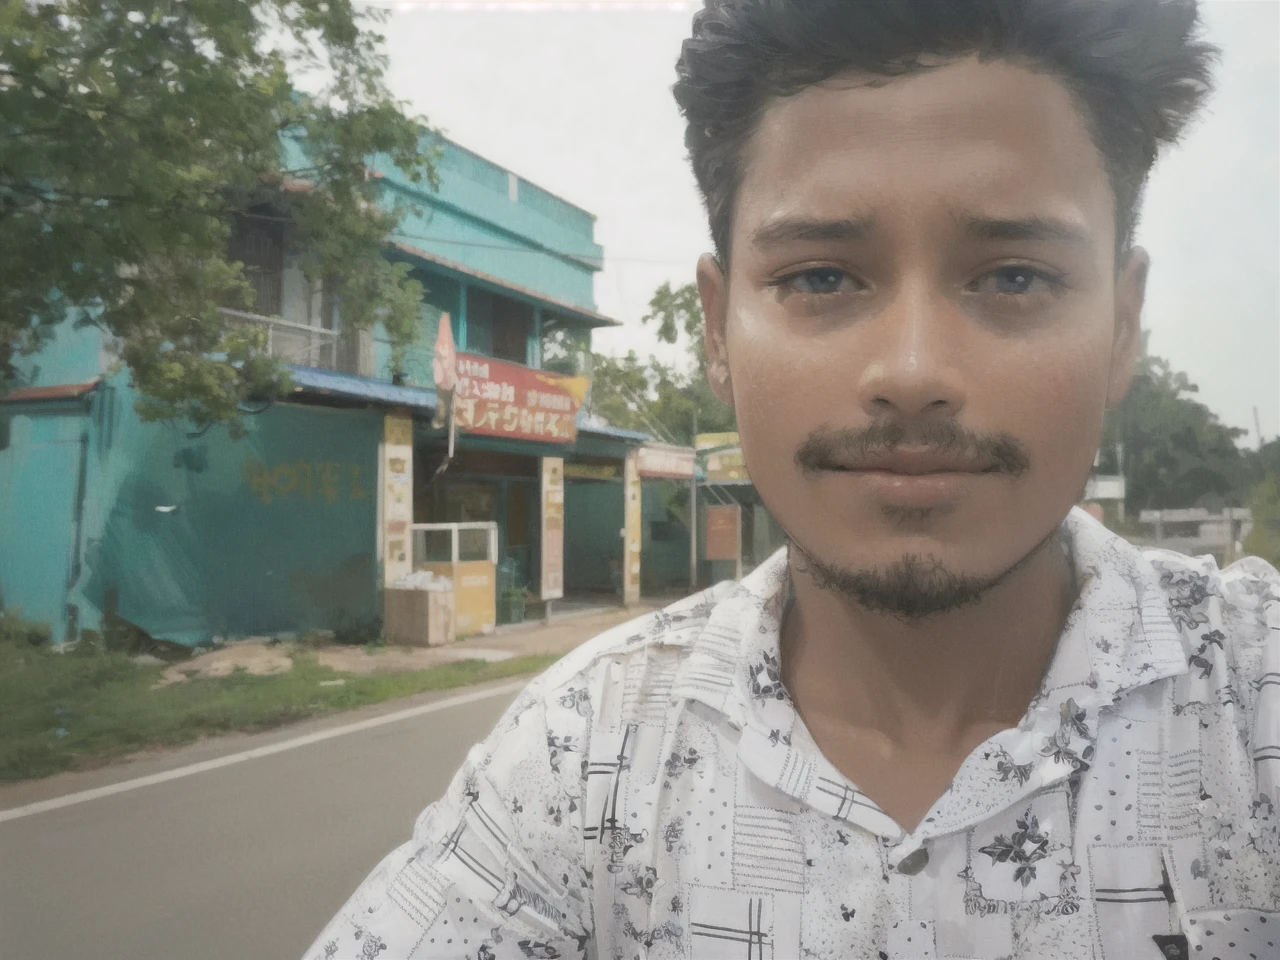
x=1175, y=450
x=1264, y=539
x=134, y=132
x=665, y=400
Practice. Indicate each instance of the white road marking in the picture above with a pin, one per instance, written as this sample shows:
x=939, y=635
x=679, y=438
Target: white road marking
x=84, y=796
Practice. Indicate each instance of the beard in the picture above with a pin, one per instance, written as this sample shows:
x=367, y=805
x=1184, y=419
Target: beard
x=911, y=588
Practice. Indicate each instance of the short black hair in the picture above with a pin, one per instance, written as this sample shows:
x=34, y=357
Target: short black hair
x=1137, y=69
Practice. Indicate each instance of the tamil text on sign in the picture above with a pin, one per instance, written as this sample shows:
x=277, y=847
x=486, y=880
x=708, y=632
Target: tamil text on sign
x=500, y=399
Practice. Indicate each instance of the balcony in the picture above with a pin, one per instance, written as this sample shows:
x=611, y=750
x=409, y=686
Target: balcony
x=311, y=346
x=292, y=342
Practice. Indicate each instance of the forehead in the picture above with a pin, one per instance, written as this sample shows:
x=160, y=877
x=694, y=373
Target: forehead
x=985, y=139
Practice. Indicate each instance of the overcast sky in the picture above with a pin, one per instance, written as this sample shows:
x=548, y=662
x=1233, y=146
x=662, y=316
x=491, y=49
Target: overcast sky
x=578, y=101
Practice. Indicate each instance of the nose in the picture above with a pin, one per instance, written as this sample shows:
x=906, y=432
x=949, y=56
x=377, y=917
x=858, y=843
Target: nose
x=910, y=371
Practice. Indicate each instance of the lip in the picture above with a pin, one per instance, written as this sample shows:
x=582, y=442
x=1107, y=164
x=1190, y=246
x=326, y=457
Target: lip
x=915, y=463
x=918, y=489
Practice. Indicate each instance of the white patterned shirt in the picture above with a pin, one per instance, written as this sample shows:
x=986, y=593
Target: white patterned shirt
x=656, y=795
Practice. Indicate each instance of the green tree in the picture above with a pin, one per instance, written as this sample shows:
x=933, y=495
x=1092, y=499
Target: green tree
x=1263, y=463
x=659, y=398
x=1175, y=449
x=1264, y=539
x=133, y=133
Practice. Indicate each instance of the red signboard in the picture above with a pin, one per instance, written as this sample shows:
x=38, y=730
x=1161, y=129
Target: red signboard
x=500, y=399
x=724, y=532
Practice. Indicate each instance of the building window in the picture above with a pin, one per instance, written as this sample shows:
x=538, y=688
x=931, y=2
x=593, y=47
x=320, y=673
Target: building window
x=566, y=347
x=257, y=241
x=512, y=322
x=498, y=326
x=300, y=315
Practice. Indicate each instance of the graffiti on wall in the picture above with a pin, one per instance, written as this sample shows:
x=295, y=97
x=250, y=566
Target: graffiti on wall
x=327, y=481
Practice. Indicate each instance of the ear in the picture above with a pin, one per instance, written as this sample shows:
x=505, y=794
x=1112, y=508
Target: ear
x=713, y=289
x=1131, y=292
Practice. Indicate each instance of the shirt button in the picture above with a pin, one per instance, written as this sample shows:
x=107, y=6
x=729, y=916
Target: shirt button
x=913, y=862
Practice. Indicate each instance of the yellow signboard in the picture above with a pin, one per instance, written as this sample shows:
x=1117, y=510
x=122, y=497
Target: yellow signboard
x=709, y=441
x=727, y=466
x=474, y=594
x=591, y=471
x=721, y=456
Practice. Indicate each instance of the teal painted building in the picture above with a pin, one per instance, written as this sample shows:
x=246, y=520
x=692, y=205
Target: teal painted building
x=193, y=536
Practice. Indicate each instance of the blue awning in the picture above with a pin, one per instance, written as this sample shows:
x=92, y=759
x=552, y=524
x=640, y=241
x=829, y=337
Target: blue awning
x=587, y=425
x=328, y=382
x=311, y=380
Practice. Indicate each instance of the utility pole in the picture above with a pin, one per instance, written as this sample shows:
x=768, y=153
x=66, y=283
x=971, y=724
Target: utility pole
x=1257, y=427
x=693, y=511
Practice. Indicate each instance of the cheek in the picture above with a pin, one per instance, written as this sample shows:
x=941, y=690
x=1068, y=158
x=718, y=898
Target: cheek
x=1053, y=405
x=781, y=391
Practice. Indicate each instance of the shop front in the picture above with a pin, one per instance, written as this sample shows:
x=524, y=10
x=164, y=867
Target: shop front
x=519, y=444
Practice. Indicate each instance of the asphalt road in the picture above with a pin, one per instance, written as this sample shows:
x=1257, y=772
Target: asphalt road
x=247, y=861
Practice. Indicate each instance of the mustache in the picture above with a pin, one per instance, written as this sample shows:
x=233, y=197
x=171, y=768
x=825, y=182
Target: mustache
x=843, y=448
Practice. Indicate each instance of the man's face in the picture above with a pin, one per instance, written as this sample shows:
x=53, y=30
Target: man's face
x=922, y=321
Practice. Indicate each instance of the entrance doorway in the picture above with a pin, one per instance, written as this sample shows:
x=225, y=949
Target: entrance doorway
x=482, y=486
x=593, y=521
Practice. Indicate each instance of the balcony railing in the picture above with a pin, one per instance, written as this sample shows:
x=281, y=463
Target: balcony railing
x=298, y=343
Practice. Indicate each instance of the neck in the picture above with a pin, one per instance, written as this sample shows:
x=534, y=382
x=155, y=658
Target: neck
x=935, y=680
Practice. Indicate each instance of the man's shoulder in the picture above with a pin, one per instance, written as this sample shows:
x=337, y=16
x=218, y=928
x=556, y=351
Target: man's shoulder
x=1246, y=594
x=670, y=630
x=1250, y=576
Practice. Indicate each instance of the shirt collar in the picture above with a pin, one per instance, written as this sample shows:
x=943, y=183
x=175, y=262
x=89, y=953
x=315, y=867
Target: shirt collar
x=1117, y=637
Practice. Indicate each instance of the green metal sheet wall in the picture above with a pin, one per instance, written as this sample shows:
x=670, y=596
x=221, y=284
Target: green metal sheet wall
x=39, y=475
x=204, y=536
x=189, y=537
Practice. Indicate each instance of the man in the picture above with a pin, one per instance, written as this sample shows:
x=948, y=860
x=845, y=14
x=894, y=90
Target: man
x=956, y=717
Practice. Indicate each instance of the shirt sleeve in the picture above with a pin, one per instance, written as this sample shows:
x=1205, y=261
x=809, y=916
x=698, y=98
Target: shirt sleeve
x=1263, y=588
x=494, y=868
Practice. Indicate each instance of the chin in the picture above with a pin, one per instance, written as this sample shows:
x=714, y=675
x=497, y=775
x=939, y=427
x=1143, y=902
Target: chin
x=978, y=551
x=912, y=586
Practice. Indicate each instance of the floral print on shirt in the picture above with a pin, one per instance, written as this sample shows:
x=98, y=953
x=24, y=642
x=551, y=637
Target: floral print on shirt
x=656, y=795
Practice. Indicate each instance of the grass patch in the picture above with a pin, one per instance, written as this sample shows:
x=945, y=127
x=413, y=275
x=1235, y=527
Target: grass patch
x=64, y=711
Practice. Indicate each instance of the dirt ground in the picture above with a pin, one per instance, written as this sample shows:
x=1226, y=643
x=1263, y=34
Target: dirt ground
x=264, y=657
x=257, y=657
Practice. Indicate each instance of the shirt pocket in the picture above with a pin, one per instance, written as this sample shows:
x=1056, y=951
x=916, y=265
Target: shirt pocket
x=1239, y=934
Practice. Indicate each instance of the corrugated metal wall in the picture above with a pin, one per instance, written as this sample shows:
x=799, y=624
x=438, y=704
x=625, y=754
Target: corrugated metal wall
x=192, y=537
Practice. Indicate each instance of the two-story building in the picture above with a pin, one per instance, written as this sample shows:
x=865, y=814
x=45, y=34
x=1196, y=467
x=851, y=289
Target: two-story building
x=190, y=535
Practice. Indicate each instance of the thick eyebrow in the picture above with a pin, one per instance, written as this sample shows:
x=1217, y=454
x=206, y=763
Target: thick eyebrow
x=802, y=229
x=1044, y=229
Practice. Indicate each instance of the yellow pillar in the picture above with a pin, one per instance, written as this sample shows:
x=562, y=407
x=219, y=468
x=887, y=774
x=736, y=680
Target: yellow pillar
x=395, y=497
x=631, y=537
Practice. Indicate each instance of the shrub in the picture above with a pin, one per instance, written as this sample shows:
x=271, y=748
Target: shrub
x=1264, y=539
x=17, y=629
